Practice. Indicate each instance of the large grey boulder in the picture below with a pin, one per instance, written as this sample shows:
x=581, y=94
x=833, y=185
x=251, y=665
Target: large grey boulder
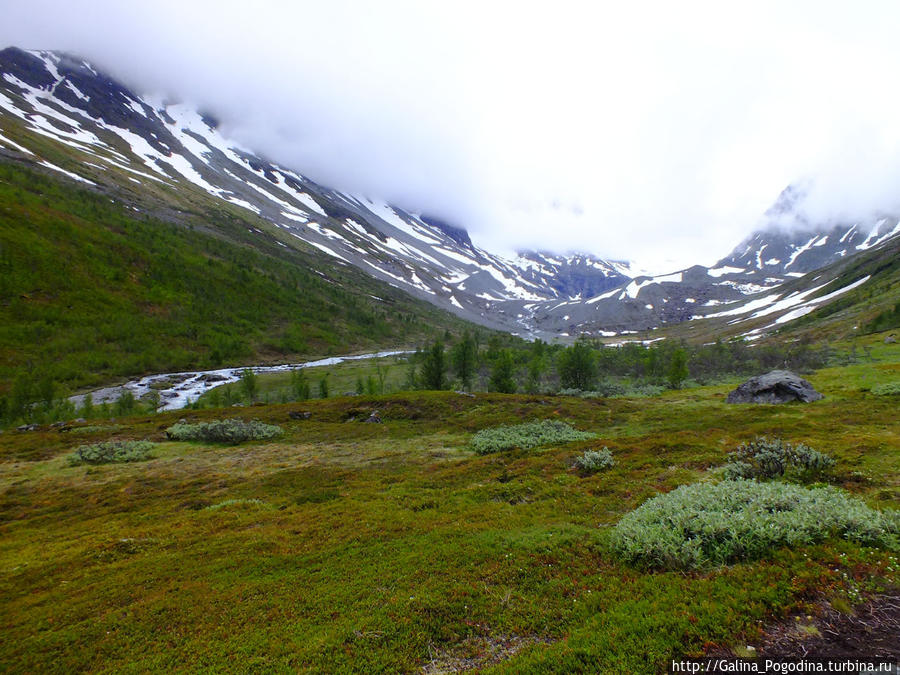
x=778, y=386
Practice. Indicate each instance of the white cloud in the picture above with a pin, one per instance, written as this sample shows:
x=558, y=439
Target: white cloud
x=647, y=130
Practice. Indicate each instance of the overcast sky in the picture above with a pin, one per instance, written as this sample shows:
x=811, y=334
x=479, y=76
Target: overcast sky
x=639, y=130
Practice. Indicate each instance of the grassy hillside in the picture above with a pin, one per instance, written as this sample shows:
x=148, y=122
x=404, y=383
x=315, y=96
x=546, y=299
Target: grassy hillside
x=92, y=289
x=874, y=306
x=350, y=547
x=871, y=307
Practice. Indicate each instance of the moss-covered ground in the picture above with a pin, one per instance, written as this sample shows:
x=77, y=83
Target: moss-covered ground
x=344, y=546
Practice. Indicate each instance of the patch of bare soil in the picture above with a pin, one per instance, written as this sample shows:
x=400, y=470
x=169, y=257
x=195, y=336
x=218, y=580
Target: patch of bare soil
x=478, y=652
x=872, y=630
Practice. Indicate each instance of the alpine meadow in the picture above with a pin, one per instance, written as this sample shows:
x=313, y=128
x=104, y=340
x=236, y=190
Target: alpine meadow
x=257, y=417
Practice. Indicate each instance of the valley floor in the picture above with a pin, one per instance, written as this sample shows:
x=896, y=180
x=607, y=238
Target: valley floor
x=350, y=547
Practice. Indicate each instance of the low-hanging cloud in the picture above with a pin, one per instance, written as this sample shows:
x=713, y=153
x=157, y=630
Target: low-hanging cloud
x=657, y=131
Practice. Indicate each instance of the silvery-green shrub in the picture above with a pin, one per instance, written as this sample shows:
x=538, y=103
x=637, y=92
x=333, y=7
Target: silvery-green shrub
x=764, y=458
x=230, y=431
x=705, y=524
x=525, y=436
x=593, y=461
x=112, y=452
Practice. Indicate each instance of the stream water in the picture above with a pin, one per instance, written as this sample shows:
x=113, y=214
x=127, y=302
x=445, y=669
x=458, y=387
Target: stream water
x=176, y=390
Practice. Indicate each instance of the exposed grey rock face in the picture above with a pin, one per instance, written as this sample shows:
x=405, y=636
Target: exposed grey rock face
x=777, y=386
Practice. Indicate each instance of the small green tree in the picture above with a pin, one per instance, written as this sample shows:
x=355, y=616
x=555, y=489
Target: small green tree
x=434, y=367
x=652, y=365
x=678, y=368
x=371, y=386
x=494, y=346
x=537, y=364
x=503, y=374
x=577, y=366
x=20, y=398
x=413, y=381
x=323, y=386
x=381, y=372
x=46, y=392
x=462, y=357
x=215, y=398
x=152, y=400
x=299, y=384
x=249, y=384
x=87, y=407
x=125, y=404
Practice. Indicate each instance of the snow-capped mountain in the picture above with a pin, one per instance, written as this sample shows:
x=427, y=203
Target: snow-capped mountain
x=63, y=114
x=789, y=246
x=752, y=273
x=119, y=137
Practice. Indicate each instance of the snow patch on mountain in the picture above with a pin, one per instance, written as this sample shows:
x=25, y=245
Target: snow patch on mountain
x=68, y=173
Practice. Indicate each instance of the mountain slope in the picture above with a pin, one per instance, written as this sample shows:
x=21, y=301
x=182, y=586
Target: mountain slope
x=61, y=115
x=855, y=295
x=762, y=267
x=789, y=245
x=108, y=136
x=840, y=300
x=92, y=290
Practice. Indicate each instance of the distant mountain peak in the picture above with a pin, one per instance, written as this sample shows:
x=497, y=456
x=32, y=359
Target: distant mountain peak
x=455, y=232
x=786, y=205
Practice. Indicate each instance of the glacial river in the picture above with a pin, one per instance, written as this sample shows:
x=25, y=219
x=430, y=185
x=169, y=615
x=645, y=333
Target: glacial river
x=176, y=390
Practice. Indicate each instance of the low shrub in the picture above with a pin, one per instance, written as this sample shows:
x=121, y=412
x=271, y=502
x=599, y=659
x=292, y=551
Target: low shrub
x=236, y=502
x=707, y=524
x=644, y=391
x=112, y=452
x=593, y=461
x=764, y=458
x=889, y=389
x=230, y=431
x=616, y=390
x=94, y=429
x=600, y=390
x=525, y=436
x=610, y=389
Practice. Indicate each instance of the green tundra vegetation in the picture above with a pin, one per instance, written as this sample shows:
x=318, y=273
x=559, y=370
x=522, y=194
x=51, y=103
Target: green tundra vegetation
x=345, y=546
x=480, y=361
x=513, y=507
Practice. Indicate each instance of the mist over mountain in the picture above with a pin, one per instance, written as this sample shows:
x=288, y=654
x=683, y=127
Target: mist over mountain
x=115, y=138
x=653, y=136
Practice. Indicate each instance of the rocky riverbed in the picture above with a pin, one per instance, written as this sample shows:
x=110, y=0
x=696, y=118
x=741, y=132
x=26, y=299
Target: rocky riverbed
x=176, y=390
